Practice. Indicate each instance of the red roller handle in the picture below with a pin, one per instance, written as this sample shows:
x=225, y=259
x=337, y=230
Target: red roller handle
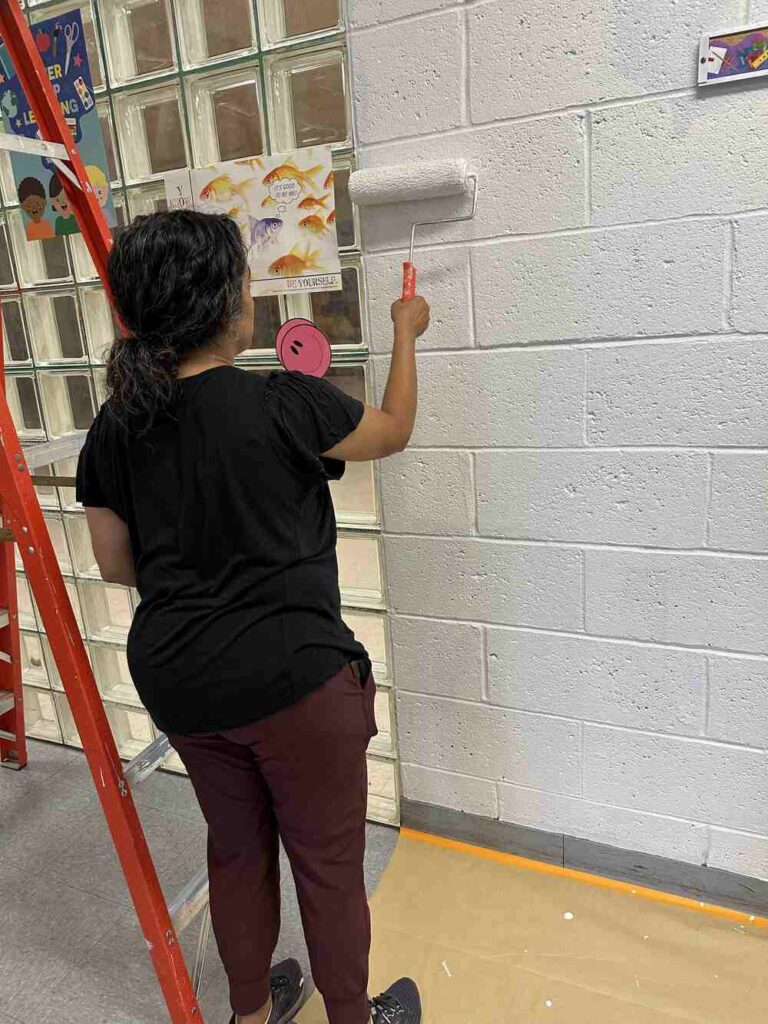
x=409, y=281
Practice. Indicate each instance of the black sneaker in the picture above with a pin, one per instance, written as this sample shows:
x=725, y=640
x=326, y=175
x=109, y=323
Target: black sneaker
x=287, y=984
x=400, y=1004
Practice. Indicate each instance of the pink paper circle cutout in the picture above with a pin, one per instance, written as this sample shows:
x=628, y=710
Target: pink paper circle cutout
x=302, y=346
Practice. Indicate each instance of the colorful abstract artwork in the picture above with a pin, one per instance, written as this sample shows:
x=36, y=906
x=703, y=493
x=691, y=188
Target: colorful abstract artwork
x=733, y=55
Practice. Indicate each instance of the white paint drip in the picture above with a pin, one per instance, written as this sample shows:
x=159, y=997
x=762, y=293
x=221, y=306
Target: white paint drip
x=101, y=776
x=646, y=937
x=637, y=982
x=568, y=915
x=751, y=920
x=447, y=969
x=548, y=1002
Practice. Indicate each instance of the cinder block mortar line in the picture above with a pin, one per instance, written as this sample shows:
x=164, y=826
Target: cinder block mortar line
x=595, y=343
x=568, y=545
x=709, y=486
x=459, y=6
x=678, y=737
x=544, y=115
x=594, y=449
x=475, y=528
x=729, y=261
x=601, y=803
x=654, y=645
x=707, y=697
x=587, y=132
x=464, y=77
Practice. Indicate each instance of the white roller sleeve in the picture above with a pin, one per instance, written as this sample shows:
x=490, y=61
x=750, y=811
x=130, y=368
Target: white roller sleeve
x=406, y=183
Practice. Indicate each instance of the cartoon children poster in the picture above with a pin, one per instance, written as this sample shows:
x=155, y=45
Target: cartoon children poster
x=733, y=56
x=285, y=206
x=47, y=212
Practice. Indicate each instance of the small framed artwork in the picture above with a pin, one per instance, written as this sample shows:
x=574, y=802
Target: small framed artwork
x=733, y=55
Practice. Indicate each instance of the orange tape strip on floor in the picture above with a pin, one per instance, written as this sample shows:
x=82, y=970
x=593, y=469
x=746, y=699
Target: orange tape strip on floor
x=582, y=876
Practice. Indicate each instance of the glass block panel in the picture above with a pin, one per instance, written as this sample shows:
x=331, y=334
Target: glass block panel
x=139, y=38
x=212, y=29
x=24, y=403
x=287, y=19
x=370, y=630
x=55, y=525
x=110, y=666
x=226, y=115
x=359, y=569
x=27, y=611
x=108, y=134
x=83, y=558
x=7, y=275
x=382, y=791
x=354, y=496
x=66, y=468
x=68, y=402
x=100, y=327
x=107, y=611
x=74, y=600
x=15, y=344
x=100, y=384
x=89, y=32
x=308, y=94
x=174, y=764
x=146, y=199
x=383, y=743
x=350, y=379
x=46, y=495
x=40, y=717
x=337, y=314
x=34, y=671
x=131, y=728
x=268, y=316
x=346, y=225
x=66, y=721
x=7, y=181
x=151, y=132
x=54, y=327
x=43, y=262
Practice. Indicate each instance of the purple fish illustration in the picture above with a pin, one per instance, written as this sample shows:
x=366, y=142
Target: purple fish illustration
x=265, y=230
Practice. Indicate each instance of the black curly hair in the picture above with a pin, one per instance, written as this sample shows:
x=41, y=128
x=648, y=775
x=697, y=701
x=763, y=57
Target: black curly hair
x=177, y=284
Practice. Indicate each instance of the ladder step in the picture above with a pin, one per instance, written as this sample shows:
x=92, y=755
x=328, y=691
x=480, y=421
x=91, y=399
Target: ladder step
x=36, y=147
x=52, y=451
x=148, y=761
x=3, y=618
x=192, y=899
x=7, y=703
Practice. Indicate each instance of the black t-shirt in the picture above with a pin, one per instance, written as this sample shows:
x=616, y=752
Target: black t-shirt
x=234, y=539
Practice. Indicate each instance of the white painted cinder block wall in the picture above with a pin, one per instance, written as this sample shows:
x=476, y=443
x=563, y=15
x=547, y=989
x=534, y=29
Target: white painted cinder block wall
x=576, y=542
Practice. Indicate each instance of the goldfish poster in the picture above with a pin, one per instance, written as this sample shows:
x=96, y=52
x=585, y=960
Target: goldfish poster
x=285, y=207
x=61, y=43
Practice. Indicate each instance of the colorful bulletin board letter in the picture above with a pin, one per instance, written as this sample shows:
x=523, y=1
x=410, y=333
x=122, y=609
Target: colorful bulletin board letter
x=733, y=55
x=61, y=43
x=285, y=207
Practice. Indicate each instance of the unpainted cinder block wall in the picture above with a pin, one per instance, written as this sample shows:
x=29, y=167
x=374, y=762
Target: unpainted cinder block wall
x=576, y=542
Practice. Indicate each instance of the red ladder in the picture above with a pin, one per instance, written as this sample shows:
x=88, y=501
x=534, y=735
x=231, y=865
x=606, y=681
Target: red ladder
x=22, y=515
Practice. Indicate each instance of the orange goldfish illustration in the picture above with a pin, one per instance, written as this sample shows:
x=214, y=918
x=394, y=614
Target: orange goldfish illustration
x=329, y=180
x=312, y=201
x=314, y=224
x=253, y=162
x=289, y=170
x=331, y=218
x=269, y=201
x=223, y=188
x=295, y=262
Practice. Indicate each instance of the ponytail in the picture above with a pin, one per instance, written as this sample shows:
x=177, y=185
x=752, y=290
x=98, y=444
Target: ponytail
x=177, y=283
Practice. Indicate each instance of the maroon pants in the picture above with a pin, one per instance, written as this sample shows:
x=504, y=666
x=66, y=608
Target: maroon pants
x=300, y=774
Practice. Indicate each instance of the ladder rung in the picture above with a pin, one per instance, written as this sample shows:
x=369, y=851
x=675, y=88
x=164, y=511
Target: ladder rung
x=10, y=736
x=142, y=766
x=3, y=618
x=7, y=702
x=52, y=451
x=37, y=147
x=190, y=901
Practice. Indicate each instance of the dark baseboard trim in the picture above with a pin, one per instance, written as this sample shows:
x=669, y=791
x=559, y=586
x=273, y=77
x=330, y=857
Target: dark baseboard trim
x=708, y=885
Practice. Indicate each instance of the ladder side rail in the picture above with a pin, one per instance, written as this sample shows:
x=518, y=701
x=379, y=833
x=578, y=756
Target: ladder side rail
x=40, y=93
x=13, y=752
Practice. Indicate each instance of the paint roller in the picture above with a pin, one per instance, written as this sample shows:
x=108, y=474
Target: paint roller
x=381, y=186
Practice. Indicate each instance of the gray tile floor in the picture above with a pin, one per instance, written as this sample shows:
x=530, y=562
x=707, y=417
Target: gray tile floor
x=70, y=948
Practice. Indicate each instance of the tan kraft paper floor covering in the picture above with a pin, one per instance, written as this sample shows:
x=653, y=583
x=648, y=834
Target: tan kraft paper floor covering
x=489, y=943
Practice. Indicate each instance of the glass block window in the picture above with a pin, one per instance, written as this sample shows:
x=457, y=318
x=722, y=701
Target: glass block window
x=178, y=83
